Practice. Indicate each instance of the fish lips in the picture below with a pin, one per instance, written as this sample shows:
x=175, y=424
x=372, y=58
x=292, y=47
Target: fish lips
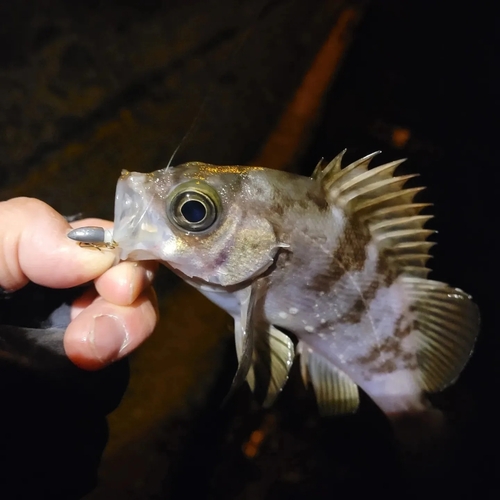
x=138, y=219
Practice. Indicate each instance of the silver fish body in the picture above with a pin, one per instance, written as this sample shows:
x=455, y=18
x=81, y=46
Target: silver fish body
x=337, y=259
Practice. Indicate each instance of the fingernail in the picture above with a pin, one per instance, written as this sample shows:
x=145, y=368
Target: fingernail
x=150, y=275
x=139, y=279
x=133, y=288
x=108, y=337
x=147, y=275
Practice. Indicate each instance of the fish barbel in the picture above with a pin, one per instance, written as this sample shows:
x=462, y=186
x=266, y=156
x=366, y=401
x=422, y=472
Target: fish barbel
x=338, y=259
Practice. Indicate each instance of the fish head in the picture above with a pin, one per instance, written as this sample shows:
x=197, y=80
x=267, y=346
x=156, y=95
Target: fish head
x=198, y=219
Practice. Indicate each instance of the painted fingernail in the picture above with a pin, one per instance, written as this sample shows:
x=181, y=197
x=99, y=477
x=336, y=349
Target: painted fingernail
x=108, y=337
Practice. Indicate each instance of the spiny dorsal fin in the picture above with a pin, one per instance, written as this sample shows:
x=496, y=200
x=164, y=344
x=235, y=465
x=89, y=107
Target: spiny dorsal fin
x=336, y=393
x=272, y=360
x=321, y=171
x=319, y=168
x=334, y=178
x=378, y=199
x=404, y=210
x=371, y=206
x=448, y=323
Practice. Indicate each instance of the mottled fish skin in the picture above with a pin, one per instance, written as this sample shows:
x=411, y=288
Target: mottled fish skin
x=327, y=278
x=352, y=310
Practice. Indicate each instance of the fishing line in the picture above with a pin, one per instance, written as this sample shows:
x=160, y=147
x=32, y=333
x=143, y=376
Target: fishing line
x=262, y=13
x=94, y=235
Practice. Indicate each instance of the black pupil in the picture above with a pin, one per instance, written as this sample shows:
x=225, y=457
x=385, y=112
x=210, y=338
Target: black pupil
x=194, y=211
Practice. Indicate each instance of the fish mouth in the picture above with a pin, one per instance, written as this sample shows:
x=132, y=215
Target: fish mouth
x=136, y=222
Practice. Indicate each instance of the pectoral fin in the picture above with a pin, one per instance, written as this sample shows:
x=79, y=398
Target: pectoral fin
x=265, y=354
x=244, y=334
x=336, y=393
x=271, y=363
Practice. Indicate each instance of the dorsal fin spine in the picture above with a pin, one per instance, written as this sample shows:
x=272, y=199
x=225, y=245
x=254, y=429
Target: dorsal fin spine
x=377, y=199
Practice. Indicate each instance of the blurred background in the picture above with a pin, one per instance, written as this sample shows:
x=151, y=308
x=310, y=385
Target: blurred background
x=90, y=88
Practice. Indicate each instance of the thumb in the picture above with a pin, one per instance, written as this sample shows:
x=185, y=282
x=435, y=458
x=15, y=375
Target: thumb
x=34, y=247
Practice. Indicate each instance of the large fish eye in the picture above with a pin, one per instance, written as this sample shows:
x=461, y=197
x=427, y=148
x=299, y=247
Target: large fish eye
x=193, y=206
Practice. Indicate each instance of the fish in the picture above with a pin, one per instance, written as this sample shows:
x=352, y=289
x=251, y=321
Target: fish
x=331, y=267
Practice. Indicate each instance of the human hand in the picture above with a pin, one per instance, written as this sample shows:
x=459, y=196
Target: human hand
x=108, y=321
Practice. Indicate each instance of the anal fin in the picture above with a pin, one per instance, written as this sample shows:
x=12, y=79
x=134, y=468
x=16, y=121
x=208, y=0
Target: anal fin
x=336, y=393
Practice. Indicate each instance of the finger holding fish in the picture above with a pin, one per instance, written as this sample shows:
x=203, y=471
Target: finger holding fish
x=35, y=248
x=102, y=332
x=122, y=283
x=108, y=322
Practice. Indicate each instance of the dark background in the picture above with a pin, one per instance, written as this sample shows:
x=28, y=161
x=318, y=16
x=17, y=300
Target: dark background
x=88, y=88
